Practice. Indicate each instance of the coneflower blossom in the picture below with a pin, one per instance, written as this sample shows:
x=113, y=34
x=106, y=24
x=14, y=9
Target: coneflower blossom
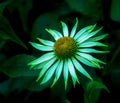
x=68, y=53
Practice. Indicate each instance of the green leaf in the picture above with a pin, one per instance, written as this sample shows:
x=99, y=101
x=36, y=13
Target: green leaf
x=32, y=85
x=86, y=7
x=9, y=85
x=92, y=91
x=2, y=6
x=115, y=74
x=67, y=101
x=23, y=7
x=6, y=32
x=20, y=83
x=2, y=43
x=2, y=57
x=17, y=66
x=115, y=10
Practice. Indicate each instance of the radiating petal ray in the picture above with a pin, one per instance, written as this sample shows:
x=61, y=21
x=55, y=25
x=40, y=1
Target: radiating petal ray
x=92, y=44
x=46, y=67
x=97, y=38
x=90, y=57
x=55, y=32
x=43, y=58
x=58, y=72
x=88, y=35
x=85, y=30
x=80, y=68
x=73, y=31
x=90, y=50
x=55, y=35
x=46, y=42
x=65, y=73
x=39, y=66
x=86, y=58
x=50, y=72
x=72, y=72
x=41, y=47
x=65, y=29
x=87, y=62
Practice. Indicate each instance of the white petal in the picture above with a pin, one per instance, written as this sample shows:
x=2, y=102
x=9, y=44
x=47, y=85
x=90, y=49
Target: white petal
x=87, y=36
x=41, y=47
x=98, y=37
x=87, y=62
x=65, y=29
x=73, y=31
x=58, y=33
x=46, y=67
x=65, y=73
x=50, y=72
x=58, y=72
x=55, y=34
x=72, y=72
x=80, y=68
x=86, y=30
x=46, y=42
x=39, y=66
x=43, y=58
x=90, y=50
x=90, y=57
x=91, y=44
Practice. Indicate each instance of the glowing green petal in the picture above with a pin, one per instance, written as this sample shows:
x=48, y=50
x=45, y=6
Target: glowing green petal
x=58, y=72
x=39, y=66
x=50, y=73
x=54, y=33
x=90, y=50
x=65, y=29
x=41, y=47
x=80, y=68
x=46, y=67
x=73, y=31
x=85, y=30
x=92, y=44
x=87, y=36
x=91, y=58
x=65, y=73
x=72, y=72
x=46, y=42
x=87, y=62
x=43, y=58
x=98, y=37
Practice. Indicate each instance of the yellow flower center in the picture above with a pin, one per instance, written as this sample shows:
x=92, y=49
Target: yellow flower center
x=65, y=47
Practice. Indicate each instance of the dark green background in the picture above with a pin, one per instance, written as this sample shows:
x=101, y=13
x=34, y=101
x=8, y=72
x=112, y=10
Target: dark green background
x=22, y=21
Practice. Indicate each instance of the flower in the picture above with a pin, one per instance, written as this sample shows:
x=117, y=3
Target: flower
x=68, y=53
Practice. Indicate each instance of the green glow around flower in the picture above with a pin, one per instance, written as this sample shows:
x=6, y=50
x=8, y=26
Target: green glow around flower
x=66, y=55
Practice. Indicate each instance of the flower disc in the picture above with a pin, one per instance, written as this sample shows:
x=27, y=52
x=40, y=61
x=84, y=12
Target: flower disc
x=65, y=47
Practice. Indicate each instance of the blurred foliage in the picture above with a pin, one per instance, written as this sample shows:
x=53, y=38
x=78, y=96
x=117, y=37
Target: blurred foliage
x=22, y=21
x=92, y=92
x=86, y=7
x=115, y=10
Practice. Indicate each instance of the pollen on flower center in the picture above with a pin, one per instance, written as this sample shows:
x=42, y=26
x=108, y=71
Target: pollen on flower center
x=65, y=47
